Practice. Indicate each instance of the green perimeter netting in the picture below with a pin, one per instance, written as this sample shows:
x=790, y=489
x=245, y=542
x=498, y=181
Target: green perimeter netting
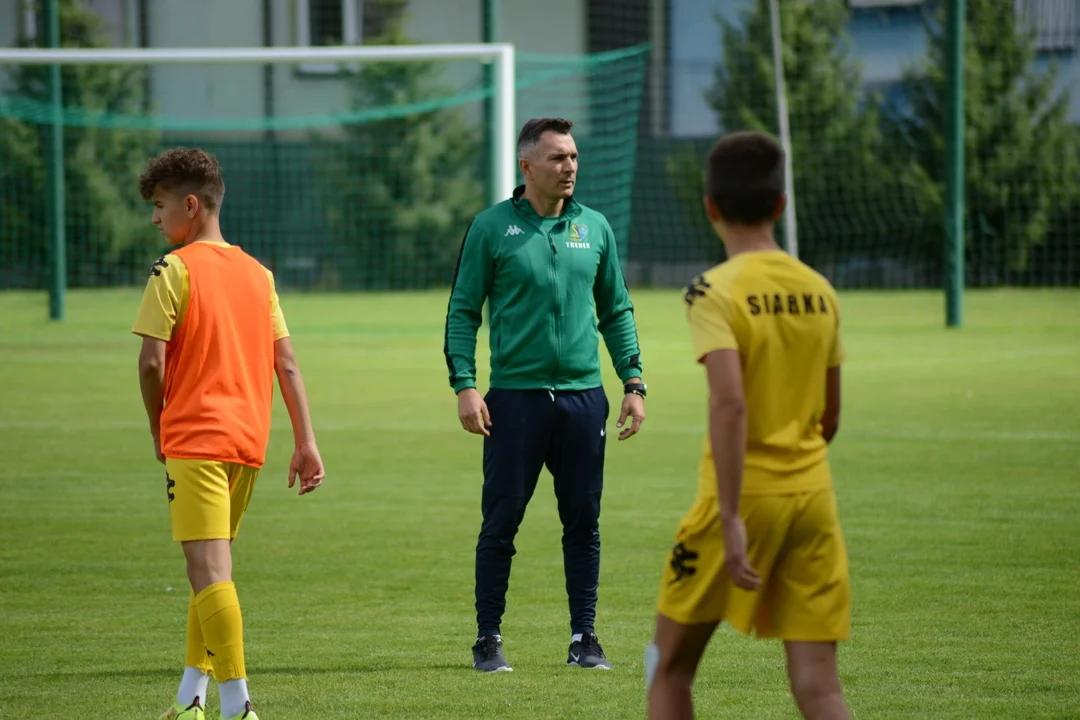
x=375, y=194
x=869, y=156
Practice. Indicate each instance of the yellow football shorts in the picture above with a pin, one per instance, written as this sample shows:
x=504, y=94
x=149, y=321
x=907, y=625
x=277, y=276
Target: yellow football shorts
x=207, y=498
x=796, y=545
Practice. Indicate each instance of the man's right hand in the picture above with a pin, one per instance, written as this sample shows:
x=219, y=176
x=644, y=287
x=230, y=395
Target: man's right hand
x=473, y=411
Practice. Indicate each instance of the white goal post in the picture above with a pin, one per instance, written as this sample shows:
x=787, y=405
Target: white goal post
x=504, y=131
x=791, y=241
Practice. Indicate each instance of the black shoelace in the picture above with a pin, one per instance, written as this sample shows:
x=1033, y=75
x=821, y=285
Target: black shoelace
x=488, y=648
x=591, y=645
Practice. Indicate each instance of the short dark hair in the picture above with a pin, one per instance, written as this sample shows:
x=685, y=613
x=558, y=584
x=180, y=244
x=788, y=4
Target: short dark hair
x=745, y=177
x=532, y=131
x=186, y=170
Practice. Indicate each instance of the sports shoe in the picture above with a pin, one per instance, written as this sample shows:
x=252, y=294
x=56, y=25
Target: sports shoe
x=194, y=711
x=249, y=714
x=487, y=655
x=587, y=653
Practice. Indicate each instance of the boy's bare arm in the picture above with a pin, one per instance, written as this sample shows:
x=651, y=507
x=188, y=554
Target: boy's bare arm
x=727, y=426
x=306, y=462
x=152, y=385
x=727, y=437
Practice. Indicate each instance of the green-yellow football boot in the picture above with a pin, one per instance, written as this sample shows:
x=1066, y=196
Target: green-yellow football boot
x=248, y=713
x=194, y=711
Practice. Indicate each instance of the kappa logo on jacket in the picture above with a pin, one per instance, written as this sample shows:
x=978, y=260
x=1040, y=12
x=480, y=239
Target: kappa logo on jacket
x=513, y=230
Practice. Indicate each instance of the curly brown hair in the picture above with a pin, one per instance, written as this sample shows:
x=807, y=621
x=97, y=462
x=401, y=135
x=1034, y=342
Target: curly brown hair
x=187, y=170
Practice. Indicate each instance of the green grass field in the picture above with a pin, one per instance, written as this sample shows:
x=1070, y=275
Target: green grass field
x=957, y=471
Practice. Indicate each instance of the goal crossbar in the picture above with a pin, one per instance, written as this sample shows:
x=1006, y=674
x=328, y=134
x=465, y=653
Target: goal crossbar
x=285, y=55
x=503, y=132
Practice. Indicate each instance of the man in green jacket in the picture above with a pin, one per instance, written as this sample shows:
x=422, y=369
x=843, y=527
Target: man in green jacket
x=548, y=268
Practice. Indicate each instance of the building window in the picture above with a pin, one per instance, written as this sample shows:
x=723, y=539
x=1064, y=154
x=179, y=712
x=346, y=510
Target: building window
x=322, y=23
x=883, y=3
x=1052, y=23
x=120, y=21
x=28, y=21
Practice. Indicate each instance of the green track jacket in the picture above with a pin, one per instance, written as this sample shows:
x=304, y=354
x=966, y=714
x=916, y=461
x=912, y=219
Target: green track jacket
x=553, y=286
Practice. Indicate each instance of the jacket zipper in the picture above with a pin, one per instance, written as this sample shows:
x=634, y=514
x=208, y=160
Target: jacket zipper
x=555, y=284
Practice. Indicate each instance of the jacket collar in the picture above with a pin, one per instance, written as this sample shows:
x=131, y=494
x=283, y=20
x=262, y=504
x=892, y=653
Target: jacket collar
x=571, y=207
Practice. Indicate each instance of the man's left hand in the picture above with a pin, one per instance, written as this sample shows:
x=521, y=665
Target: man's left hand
x=307, y=465
x=633, y=406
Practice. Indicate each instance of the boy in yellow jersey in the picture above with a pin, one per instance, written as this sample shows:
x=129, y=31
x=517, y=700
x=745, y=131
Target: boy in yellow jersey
x=761, y=546
x=213, y=338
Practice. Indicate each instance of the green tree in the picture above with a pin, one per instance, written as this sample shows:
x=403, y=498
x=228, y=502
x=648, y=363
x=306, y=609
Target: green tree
x=1020, y=150
x=408, y=185
x=109, y=239
x=849, y=202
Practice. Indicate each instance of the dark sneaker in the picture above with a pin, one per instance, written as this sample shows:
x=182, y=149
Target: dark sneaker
x=487, y=655
x=587, y=653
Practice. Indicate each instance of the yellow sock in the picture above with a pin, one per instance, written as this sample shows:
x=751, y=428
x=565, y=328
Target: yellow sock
x=222, y=630
x=196, y=655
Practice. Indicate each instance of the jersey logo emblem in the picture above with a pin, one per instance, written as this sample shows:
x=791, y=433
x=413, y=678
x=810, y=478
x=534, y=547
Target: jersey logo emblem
x=159, y=263
x=513, y=230
x=680, y=556
x=578, y=232
x=696, y=289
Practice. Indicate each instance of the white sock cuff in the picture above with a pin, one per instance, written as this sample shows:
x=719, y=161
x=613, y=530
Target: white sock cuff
x=652, y=661
x=193, y=684
x=234, y=695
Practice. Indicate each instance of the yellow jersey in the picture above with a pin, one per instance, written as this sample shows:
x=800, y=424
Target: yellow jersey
x=783, y=318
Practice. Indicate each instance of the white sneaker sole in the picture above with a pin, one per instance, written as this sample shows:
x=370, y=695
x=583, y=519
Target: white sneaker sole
x=501, y=669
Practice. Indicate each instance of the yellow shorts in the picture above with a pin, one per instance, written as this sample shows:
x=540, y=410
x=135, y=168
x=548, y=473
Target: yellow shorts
x=796, y=545
x=207, y=498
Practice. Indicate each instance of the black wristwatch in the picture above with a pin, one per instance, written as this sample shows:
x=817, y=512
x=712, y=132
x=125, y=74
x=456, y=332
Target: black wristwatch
x=637, y=388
